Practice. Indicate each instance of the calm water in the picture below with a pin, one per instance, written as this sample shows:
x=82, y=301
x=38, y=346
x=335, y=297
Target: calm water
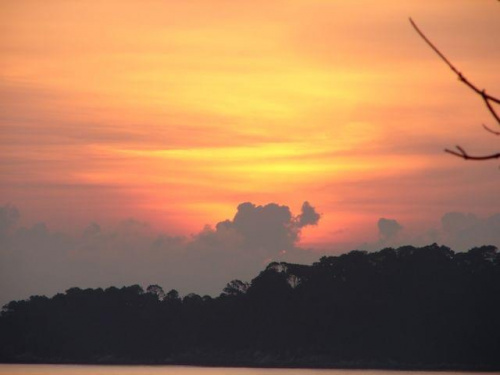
x=183, y=370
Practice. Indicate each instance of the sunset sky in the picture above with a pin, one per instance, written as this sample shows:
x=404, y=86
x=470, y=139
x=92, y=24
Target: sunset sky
x=173, y=113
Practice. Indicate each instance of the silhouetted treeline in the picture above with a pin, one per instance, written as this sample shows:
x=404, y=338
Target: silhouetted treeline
x=397, y=308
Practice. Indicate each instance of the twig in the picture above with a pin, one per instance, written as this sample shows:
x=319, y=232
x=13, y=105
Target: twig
x=488, y=100
x=461, y=153
x=486, y=97
x=490, y=108
x=461, y=77
x=490, y=130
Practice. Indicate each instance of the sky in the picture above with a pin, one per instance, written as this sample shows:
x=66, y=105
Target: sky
x=190, y=142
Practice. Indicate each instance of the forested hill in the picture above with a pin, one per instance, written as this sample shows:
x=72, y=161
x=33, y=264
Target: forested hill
x=428, y=308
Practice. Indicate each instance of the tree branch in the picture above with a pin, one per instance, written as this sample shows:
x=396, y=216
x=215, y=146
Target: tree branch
x=490, y=108
x=461, y=153
x=461, y=77
x=488, y=100
x=490, y=130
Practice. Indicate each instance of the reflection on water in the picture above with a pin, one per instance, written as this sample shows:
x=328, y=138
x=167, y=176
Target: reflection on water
x=185, y=370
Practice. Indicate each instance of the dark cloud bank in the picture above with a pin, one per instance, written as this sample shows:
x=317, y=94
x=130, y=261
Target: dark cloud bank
x=459, y=231
x=36, y=260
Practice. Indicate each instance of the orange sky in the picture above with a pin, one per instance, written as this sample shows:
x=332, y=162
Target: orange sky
x=174, y=112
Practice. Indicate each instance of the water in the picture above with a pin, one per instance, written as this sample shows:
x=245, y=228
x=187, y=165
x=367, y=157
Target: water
x=187, y=370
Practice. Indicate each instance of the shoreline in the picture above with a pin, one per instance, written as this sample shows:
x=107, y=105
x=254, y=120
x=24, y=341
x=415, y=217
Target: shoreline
x=267, y=365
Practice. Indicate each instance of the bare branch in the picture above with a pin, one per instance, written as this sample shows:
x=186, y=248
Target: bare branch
x=490, y=108
x=461, y=153
x=490, y=130
x=461, y=77
x=488, y=100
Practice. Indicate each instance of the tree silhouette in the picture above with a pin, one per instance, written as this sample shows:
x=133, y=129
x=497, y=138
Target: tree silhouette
x=413, y=308
x=235, y=288
x=489, y=101
x=156, y=290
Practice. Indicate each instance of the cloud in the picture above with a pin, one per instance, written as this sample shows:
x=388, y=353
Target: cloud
x=267, y=230
x=263, y=227
x=8, y=217
x=465, y=230
x=36, y=260
x=459, y=231
x=271, y=228
x=309, y=216
x=388, y=228
x=390, y=234
x=454, y=222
